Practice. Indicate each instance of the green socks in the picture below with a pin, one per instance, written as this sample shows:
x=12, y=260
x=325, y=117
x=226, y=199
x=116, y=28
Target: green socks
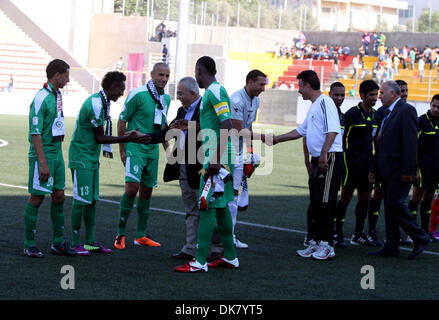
x=205, y=231
x=30, y=225
x=225, y=231
x=126, y=204
x=76, y=219
x=89, y=213
x=57, y=217
x=142, y=218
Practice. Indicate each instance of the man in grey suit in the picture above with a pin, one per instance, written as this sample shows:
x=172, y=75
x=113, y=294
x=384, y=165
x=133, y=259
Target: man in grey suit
x=184, y=166
x=396, y=167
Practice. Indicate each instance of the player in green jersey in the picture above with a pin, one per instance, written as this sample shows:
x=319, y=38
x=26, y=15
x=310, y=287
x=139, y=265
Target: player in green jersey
x=93, y=128
x=146, y=108
x=46, y=163
x=215, y=119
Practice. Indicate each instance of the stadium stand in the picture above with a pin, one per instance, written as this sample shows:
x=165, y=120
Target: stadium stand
x=324, y=68
x=286, y=70
x=418, y=91
x=24, y=59
x=264, y=61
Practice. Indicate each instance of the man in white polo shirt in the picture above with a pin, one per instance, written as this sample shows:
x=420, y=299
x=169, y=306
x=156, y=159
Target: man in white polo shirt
x=321, y=128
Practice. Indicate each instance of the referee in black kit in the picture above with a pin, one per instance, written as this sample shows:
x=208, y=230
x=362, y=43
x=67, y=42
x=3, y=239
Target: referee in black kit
x=360, y=130
x=428, y=163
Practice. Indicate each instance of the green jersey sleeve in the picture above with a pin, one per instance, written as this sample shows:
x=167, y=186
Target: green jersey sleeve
x=220, y=101
x=96, y=116
x=37, y=113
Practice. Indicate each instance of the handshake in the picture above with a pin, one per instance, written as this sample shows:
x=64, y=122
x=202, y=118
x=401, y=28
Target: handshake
x=137, y=136
x=269, y=139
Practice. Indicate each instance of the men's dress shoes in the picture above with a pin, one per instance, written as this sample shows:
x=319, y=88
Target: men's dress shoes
x=181, y=255
x=417, y=250
x=383, y=252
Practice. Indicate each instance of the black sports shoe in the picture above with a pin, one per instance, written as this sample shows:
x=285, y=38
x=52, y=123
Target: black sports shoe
x=361, y=239
x=63, y=248
x=33, y=252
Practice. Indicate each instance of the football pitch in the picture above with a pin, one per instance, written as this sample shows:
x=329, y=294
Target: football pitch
x=274, y=226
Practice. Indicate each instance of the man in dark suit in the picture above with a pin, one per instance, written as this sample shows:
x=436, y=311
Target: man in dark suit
x=184, y=164
x=396, y=167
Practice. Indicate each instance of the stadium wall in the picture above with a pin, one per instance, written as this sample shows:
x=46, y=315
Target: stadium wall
x=278, y=107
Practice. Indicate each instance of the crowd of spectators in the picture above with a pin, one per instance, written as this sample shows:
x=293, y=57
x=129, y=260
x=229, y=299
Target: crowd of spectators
x=162, y=31
x=301, y=49
x=390, y=59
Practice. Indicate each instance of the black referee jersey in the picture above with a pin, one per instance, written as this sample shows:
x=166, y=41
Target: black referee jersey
x=360, y=130
x=428, y=136
x=428, y=151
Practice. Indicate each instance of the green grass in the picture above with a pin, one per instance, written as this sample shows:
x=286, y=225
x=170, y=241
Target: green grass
x=269, y=268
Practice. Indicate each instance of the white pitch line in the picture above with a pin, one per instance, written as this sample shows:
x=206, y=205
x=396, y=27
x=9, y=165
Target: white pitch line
x=3, y=143
x=257, y=225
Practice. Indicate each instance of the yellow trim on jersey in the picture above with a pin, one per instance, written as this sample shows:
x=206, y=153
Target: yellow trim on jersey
x=221, y=108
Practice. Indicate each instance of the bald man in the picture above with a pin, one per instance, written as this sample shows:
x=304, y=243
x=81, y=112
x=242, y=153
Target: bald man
x=145, y=109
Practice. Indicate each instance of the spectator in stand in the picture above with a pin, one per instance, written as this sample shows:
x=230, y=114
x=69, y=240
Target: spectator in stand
x=382, y=39
x=434, y=55
x=375, y=38
x=413, y=57
x=427, y=56
x=165, y=54
x=10, y=85
x=302, y=40
x=361, y=52
x=404, y=56
x=355, y=65
x=389, y=67
x=283, y=86
x=160, y=31
x=382, y=52
x=308, y=51
x=396, y=62
x=346, y=52
x=379, y=74
x=366, y=40
x=352, y=92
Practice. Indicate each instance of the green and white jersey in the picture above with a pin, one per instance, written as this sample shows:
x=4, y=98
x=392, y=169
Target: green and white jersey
x=139, y=111
x=214, y=109
x=84, y=151
x=42, y=114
